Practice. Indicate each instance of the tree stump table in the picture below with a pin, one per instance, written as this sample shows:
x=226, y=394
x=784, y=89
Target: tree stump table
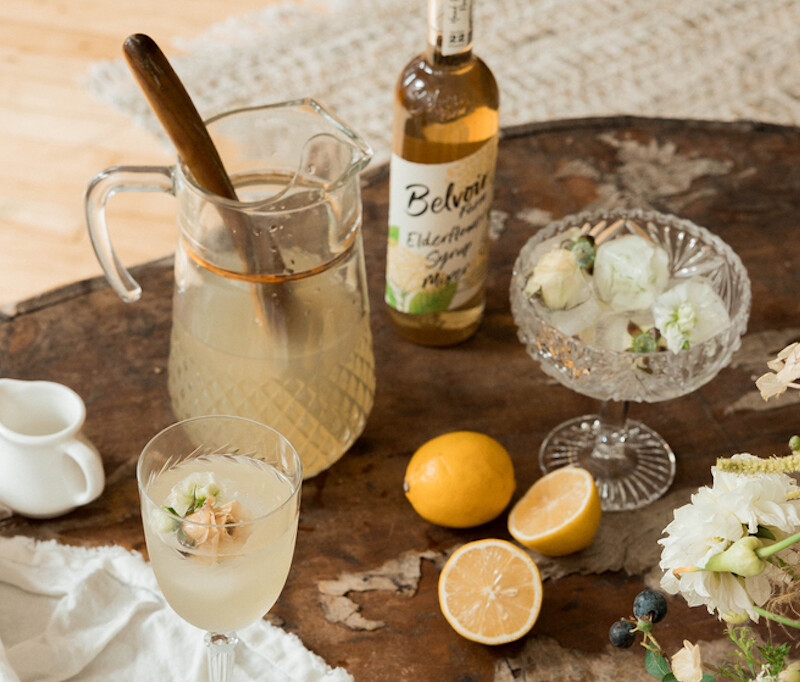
x=362, y=590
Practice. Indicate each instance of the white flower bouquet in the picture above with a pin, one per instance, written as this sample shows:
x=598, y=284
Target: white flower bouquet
x=735, y=549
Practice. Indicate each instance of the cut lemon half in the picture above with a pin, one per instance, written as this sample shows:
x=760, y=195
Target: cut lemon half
x=490, y=591
x=559, y=514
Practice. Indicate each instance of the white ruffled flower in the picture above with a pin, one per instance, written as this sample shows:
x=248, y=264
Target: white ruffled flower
x=630, y=272
x=561, y=281
x=689, y=313
x=717, y=517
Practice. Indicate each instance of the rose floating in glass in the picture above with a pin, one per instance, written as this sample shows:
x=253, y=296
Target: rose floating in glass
x=220, y=500
x=650, y=307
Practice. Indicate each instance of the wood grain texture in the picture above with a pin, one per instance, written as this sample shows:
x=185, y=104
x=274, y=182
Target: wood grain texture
x=354, y=517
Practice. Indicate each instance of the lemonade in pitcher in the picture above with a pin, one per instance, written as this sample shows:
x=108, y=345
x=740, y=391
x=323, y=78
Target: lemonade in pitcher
x=270, y=306
x=314, y=383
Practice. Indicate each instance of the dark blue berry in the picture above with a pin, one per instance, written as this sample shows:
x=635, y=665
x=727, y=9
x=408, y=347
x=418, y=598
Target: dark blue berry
x=621, y=634
x=650, y=603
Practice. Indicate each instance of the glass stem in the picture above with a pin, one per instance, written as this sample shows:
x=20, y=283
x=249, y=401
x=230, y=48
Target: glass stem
x=220, y=649
x=612, y=432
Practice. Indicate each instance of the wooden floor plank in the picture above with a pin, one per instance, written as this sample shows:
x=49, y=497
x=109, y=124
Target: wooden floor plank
x=54, y=136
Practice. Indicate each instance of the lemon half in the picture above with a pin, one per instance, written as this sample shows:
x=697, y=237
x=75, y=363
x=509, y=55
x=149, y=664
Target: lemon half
x=559, y=514
x=490, y=591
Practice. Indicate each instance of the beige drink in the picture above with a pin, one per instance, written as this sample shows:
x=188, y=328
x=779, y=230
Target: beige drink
x=315, y=385
x=225, y=585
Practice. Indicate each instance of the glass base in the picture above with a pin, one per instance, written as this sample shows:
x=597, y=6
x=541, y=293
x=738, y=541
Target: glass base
x=633, y=477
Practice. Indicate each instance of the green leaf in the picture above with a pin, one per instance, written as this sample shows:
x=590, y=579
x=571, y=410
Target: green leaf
x=432, y=301
x=707, y=677
x=394, y=234
x=656, y=664
x=669, y=677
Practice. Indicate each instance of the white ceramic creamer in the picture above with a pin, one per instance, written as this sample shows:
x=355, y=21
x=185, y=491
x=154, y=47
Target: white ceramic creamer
x=47, y=467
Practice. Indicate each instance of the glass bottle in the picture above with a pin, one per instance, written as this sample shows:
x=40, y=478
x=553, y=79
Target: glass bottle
x=441, y=187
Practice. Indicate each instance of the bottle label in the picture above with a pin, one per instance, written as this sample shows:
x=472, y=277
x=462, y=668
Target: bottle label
x=438, y=249
x=456, y=26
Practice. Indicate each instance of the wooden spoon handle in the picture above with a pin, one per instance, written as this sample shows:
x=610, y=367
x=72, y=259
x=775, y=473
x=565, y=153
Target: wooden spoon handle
x=177, y=113
x=181, y=121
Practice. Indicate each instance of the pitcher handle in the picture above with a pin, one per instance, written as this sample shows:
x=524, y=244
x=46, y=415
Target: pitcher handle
x=102, y=187
x=88, y=459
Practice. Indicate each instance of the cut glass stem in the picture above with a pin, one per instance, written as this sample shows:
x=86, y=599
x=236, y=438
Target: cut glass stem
x=631, y=464
x=220, y=649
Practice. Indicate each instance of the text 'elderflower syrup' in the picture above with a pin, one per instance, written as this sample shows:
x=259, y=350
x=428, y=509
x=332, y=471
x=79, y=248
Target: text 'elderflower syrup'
x=441, y=187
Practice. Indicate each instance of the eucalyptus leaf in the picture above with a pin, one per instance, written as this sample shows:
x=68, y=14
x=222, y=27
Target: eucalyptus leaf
x=656, y=664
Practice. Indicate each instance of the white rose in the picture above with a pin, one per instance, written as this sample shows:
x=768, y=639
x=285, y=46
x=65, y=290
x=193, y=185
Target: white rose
x=630, y=272
x=560, y=280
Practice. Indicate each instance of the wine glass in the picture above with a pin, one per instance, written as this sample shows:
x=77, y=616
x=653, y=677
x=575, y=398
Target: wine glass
x=220, y=499
x=632, y=465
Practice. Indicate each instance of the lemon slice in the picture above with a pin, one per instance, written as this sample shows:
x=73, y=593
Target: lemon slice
x=490, y=591
x=559, y=514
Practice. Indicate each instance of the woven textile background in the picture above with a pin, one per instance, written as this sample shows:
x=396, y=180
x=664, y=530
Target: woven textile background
x=553, y=59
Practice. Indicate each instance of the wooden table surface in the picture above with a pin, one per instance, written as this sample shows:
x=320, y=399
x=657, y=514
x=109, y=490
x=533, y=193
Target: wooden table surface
x=362, y=591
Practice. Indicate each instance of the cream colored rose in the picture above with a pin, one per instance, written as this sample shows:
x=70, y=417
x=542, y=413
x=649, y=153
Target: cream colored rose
x=560, y=280
x=791, y=673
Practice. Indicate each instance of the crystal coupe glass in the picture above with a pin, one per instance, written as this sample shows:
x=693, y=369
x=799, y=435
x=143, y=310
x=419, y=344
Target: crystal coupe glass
x=220, y=499
x=632, y=465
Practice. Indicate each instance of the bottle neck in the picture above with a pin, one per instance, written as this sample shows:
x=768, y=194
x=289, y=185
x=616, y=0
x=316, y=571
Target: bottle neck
x=449, y=31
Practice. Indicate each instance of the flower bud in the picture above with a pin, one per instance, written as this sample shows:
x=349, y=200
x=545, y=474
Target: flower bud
x=687, y=664
x=740, y=558
x=791, y=673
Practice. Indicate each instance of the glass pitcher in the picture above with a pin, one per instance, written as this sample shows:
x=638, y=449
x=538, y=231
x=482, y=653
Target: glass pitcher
x=270, y=310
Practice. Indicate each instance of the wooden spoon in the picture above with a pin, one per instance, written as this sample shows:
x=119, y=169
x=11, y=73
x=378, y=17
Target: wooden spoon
x=180, y=119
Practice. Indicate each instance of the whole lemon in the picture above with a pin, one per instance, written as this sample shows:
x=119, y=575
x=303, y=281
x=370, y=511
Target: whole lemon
x=460, y=479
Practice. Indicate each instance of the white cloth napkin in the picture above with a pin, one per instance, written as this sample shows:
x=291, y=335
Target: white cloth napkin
x=70, y=613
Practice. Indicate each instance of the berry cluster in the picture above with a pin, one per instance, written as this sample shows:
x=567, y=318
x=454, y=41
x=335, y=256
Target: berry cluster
x=649, y=607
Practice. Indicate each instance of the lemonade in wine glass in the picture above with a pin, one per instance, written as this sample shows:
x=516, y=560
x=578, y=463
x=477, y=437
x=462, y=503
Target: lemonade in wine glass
x=220, y=500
